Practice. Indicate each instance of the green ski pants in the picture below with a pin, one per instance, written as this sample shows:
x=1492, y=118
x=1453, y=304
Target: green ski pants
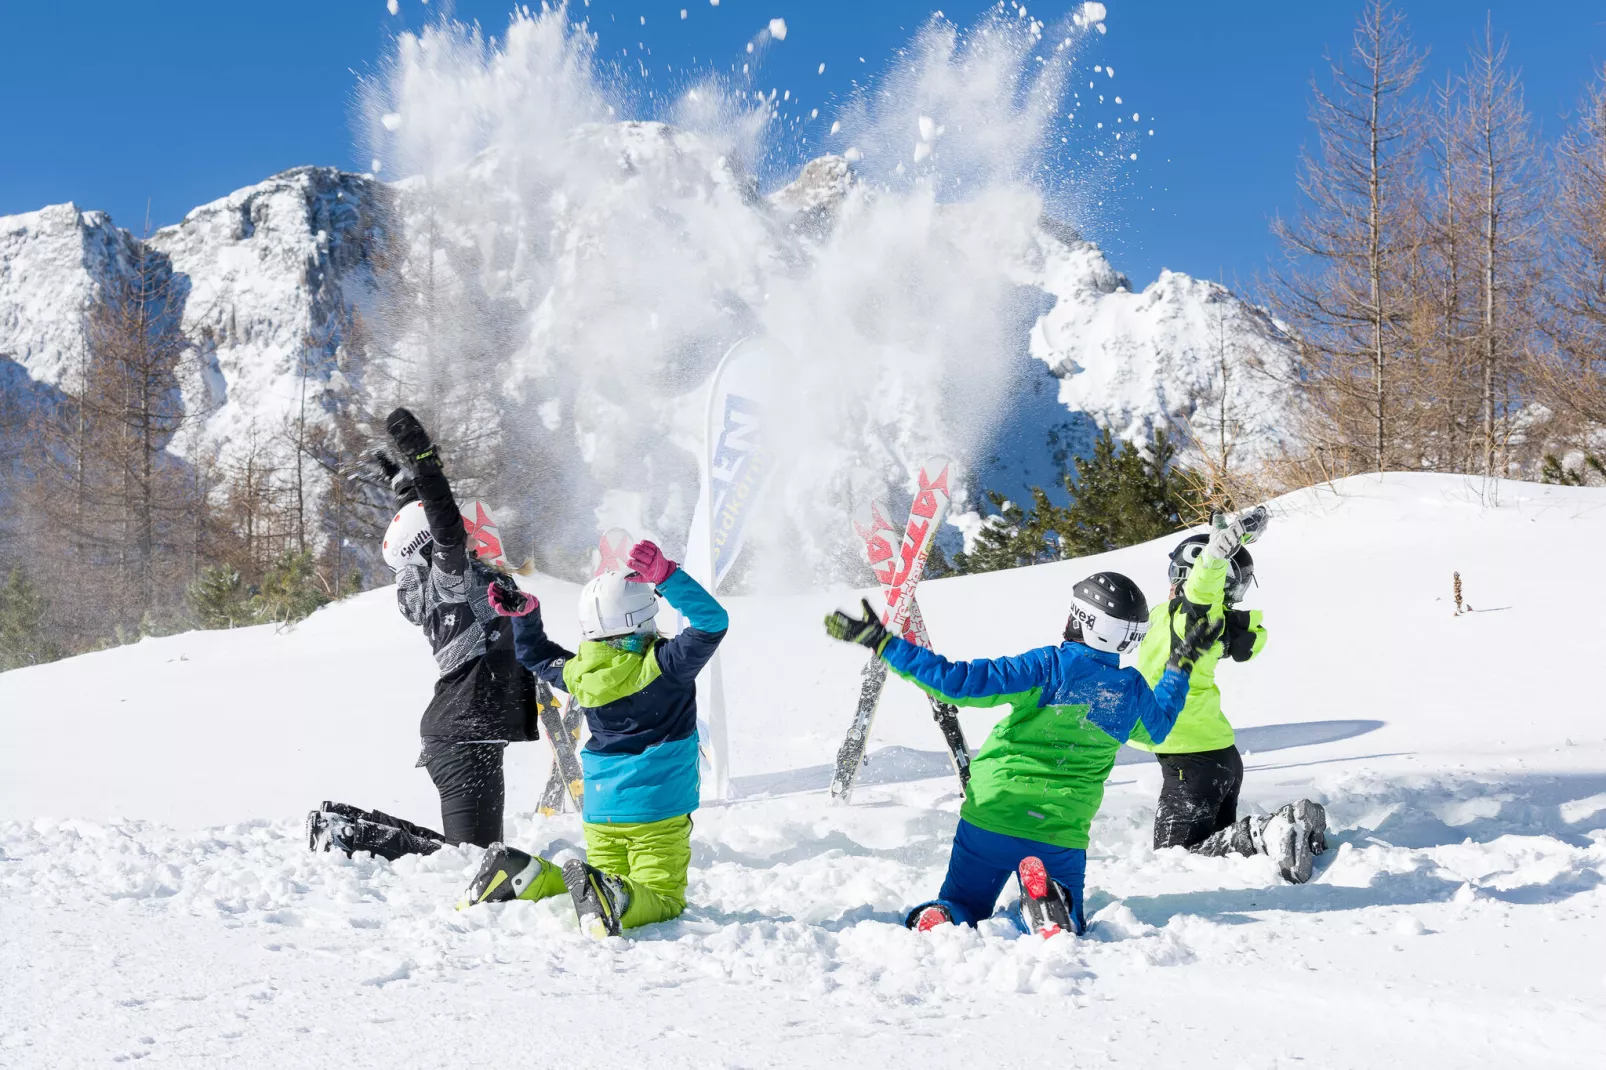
x=652, y=857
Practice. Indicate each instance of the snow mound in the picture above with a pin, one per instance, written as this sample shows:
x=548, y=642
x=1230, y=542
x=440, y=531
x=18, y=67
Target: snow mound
x=154, y=870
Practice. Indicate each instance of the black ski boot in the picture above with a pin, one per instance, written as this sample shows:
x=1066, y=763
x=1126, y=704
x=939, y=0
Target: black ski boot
x=600, y=901
x=1042, y=901
x=1294, y=836
x=504, y=874
x=328, y=829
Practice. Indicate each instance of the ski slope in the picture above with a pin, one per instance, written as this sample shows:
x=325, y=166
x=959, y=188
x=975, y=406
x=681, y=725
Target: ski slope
x=157, y=900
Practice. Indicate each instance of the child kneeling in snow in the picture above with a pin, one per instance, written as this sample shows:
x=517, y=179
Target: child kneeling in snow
x=639, y=696
x=1202, y=769
x=1039, y=778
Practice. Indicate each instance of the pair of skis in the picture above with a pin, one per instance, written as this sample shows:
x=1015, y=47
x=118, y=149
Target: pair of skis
x=560, y=719
x=899, y=573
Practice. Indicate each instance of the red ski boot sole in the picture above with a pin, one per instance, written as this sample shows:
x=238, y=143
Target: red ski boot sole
x=931, y=918
x=1044, y=909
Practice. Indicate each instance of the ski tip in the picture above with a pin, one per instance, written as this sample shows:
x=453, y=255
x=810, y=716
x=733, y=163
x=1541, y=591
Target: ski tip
x=612, y=550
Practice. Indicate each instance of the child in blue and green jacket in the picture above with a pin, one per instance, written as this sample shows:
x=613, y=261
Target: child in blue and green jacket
x=1037, y=781
x=638, y=692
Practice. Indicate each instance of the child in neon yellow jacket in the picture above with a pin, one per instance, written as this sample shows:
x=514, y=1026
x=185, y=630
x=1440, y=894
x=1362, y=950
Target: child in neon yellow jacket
x=1201, y=769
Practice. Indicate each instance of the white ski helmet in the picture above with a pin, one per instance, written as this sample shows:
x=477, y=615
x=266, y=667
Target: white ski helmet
x=612, y=605
x=1108, y=612
x=408, y=537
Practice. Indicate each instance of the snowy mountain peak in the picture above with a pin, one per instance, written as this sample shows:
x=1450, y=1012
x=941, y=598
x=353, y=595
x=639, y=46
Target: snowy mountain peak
x=53, y=263
x=278, y=272
x=820, y=186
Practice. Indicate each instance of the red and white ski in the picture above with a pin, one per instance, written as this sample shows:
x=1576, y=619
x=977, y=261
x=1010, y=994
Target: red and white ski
x=872, y=523
x=926, y=516
x=613, y=552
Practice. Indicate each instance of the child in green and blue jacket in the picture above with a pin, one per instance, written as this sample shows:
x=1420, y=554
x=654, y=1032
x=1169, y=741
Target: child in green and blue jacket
x=1039, y=778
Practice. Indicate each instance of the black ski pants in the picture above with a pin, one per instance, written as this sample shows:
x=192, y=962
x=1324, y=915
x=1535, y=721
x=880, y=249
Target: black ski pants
x=473, y=791
x=382, y=834
x=1198, y=796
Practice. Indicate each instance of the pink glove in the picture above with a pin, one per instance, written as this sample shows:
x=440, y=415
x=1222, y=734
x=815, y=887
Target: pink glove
x=509, y=601
x=650, y=563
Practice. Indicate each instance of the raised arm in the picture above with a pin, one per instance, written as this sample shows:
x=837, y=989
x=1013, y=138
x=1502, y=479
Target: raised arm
x=1158, y=708
x=429, y=483
x=970, y=683
x=684, y=656
x=1206, y=584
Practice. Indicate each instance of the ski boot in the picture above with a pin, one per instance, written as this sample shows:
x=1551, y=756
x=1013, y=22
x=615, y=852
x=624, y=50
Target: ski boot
x=506, y=873
x=327, y=829
x=600, y=901
x=1043, y=905
x=928, y=916
x=1293, y=836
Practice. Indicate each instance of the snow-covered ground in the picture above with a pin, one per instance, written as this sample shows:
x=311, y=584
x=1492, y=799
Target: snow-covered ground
x=157, y=899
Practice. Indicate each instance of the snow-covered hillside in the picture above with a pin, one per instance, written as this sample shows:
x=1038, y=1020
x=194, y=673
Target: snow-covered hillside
x=157, y=900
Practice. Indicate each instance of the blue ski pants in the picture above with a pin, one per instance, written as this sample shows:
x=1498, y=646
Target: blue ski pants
x=982, y=863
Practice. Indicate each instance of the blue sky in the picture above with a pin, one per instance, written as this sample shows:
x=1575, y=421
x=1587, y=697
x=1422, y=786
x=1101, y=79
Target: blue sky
x=113, y=105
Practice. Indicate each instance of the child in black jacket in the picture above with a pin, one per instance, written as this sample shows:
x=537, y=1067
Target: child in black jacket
x=483, y=700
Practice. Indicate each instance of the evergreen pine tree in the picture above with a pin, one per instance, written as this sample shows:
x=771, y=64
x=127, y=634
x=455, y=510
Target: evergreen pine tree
x=290, y=590
x=219, y=599
x=1015, y=536
x=23, y=640
x=1121, y=497
x=1554, y=471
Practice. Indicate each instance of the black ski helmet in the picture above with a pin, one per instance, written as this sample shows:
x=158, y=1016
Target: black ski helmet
x=1108, y=612
x=1240, y=566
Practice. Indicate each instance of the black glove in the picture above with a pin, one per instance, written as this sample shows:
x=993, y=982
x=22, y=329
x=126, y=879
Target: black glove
x=413, y=441
x=399, y=478
x=1201, y=635
x=1239, y=638
x=866, y=631
x=387, y=465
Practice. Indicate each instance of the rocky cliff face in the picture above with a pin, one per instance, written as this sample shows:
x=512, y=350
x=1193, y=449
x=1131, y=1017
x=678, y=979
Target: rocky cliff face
x=53, y=263
x=280, y=275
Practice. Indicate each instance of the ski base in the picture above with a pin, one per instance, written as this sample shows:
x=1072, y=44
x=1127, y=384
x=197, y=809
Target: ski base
x=561, y=726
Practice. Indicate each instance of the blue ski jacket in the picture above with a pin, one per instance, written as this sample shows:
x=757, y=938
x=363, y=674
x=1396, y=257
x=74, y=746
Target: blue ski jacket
x=640, y=763
x=1040, y=774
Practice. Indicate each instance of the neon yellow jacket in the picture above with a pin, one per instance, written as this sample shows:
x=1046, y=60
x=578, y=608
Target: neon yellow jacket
x=1201, y=726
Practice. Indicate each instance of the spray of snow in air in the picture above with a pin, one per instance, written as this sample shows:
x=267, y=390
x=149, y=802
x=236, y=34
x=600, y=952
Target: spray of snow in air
x=594, y=269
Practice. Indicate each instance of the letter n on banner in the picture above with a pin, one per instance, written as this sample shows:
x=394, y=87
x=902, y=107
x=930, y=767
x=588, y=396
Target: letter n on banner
x=739, y=465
